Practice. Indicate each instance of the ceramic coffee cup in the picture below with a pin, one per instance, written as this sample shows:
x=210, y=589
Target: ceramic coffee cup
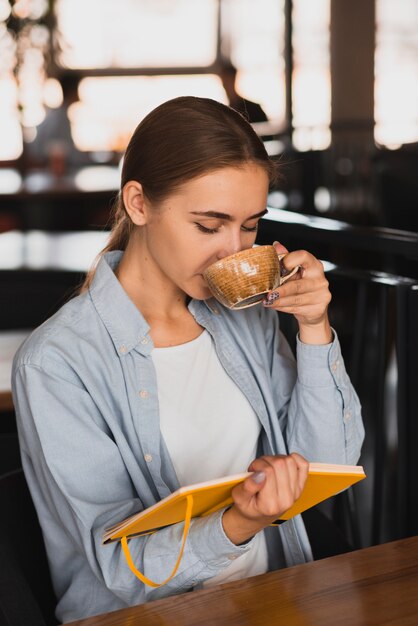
x=245, y=278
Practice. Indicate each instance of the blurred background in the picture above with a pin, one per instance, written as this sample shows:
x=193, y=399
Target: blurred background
x=336, y=84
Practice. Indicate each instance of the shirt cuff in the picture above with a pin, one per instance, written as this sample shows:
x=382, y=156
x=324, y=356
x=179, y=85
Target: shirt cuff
x=319, y=365
x=210, y=543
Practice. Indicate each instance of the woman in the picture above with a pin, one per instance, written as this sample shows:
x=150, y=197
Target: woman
x=143, y=383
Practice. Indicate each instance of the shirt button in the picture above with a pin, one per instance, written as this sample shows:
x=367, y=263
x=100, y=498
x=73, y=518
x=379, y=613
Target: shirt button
x=148, y=458
x=232, y=557
x=143, y=393
x=144, y=341
x=347, y=415
x=334, y=366
x=122, y=349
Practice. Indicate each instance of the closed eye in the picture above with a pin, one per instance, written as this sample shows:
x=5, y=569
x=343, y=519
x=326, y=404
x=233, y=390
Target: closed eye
x=212, y=231
x=206, y=230
x=250, y=229
x=225, y=217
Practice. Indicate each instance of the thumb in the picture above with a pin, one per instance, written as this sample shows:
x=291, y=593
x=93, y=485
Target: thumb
x=280, y=249
x=254, y=483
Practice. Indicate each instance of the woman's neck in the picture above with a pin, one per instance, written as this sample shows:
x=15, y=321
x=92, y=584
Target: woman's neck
x=148, y=288
x=163, y=306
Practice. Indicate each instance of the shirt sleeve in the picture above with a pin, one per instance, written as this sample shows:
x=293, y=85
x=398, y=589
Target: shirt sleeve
x=80, y=486
x=325, y=422
x=316, y=403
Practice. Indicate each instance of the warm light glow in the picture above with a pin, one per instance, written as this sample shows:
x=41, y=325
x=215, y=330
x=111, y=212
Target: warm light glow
x=111, y=108
x=396, y=70
x=160, y=33
x=168, y=33
x=32, y=9
x=52, y=93
x=10, y=130
x=253, y=37
x=311, y=98
x=322, y=199
x=10, y=181
x=5, y=9
x=98, y=178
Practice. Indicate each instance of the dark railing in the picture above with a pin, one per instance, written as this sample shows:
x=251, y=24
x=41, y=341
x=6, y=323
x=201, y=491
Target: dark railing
x=378, y=248
x=375, y=315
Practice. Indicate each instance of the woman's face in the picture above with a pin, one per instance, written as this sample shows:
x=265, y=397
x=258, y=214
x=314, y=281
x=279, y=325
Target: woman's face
x=207, y=219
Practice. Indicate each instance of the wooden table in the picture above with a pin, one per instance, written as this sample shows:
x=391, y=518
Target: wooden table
x=374, y=586
x=9, y=343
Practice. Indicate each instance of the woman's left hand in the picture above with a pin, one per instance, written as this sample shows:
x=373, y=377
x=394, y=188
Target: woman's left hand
x=306, y=295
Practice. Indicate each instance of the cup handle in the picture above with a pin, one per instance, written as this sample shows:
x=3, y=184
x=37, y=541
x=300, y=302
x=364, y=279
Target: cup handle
x=288, y=273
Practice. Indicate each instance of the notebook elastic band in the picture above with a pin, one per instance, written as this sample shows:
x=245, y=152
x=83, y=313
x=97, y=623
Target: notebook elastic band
x=142, y=577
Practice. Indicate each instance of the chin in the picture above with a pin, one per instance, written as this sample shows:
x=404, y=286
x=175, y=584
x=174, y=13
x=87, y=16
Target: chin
x=199, y=293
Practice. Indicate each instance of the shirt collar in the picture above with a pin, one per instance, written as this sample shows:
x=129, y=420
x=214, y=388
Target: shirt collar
x=124, y=322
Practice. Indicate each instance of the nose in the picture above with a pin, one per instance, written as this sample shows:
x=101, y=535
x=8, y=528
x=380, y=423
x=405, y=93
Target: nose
x=231, y=246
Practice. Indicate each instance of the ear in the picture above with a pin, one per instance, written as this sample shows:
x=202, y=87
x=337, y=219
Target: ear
x=135, y=203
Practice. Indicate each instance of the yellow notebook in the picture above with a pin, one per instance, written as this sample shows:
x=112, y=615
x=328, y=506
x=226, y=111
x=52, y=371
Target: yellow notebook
x=324, y=480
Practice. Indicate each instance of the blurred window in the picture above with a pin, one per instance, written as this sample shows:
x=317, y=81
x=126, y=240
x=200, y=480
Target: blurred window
x=111, y=107
x=140, y=38
x=252, y=36
x=133, y=54
x=24, y=40
x=136, y=33
x=396, y=72
x=311, y=80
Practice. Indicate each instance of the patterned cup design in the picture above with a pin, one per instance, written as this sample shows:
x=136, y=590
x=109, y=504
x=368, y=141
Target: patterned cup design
x=245, y=278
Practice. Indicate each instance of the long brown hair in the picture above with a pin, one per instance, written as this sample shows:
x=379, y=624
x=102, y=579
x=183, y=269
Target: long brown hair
x=180, y=140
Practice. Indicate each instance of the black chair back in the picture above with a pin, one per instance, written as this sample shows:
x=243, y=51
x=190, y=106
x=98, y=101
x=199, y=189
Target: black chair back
x=26, y=593
x=9, y=452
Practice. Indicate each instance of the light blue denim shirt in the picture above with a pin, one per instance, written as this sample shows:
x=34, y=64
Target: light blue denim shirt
x=86, y=400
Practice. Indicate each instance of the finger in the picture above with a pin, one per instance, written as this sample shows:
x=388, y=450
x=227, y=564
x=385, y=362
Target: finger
x=301, y=299
x=265, y=463
x=296, y=285
x=301, y=303
x=280, y=487
x=298, y=295
x=309, y=282
x=244, y=493
x=253, y=484
x=298, y=257
x=302, y=470
x=287, y=478
x=283, y=488
x=280, y=249
x=291, y=474
x=287, y=471
x=267, y=497
x=308, y=264
x=282, y=474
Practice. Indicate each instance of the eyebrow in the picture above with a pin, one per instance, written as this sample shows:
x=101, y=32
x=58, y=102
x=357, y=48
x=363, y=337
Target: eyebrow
x=225, y=216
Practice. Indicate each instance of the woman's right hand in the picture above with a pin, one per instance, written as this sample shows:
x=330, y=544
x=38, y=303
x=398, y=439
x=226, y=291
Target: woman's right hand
x=262, y=498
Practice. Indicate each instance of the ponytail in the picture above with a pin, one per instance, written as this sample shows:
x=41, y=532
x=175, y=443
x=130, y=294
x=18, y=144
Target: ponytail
x=118, y=239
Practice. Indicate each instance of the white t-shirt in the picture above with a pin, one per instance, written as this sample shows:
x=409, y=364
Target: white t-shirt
x=209, y=427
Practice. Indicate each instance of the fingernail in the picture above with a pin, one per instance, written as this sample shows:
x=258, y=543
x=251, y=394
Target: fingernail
x=258, y=477
x=271, y=297
x=276, y=242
